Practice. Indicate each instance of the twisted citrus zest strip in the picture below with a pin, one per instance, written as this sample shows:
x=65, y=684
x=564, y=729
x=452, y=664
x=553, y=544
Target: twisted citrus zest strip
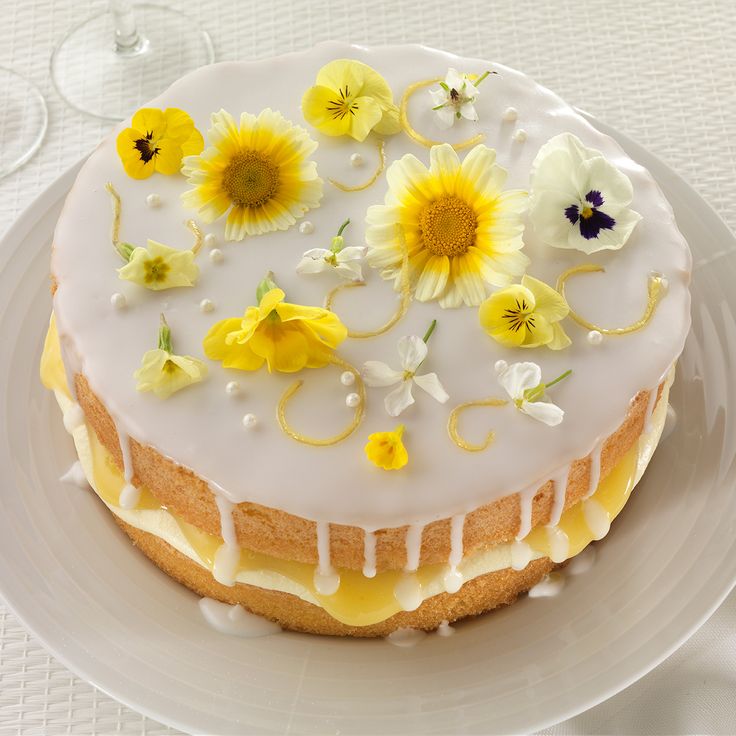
x=415, y=134
x=455, y=416
x=372, y=180
x=316, y=442
x=116, y=209
x=403, y=304
x=656, y=289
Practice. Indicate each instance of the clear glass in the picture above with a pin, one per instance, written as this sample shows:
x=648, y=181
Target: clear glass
x=23, y=120
x=115, y=61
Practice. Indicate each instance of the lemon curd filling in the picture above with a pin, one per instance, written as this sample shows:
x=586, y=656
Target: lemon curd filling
x=359, y=601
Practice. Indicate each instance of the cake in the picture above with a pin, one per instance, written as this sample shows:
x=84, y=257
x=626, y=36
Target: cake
x=352, y=461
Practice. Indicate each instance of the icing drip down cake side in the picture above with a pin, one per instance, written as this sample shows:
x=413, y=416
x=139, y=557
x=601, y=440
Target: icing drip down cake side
x=364, y=339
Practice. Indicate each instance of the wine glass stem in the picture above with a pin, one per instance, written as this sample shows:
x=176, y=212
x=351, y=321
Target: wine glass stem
x=127, y=39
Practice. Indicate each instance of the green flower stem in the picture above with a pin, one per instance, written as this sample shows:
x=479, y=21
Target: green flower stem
x=533, y=394
x=125, y=250
x=342, y=227
x=559, y=378
x=265, y=286
x=164, y=336
x=482, y=77
x=429, y=331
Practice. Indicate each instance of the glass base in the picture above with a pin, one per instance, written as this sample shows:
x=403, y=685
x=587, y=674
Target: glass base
x=96, y=78
x=23, y=120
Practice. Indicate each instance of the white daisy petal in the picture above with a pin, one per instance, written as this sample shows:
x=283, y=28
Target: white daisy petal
x=412, y=351
x=377, y=374
x=399, y=399
x=518, y=377
x=430, y=383
x=544, y=412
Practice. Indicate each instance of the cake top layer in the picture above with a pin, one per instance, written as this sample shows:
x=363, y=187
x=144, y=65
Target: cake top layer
x=226, y=427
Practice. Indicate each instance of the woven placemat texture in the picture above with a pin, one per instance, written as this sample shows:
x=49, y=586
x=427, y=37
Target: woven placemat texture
x=661, y=71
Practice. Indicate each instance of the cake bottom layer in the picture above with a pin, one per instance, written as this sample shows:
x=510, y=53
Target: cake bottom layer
x=481, y=594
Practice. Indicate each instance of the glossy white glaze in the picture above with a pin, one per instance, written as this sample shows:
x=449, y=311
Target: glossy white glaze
x=235, y=620
x=200, y=426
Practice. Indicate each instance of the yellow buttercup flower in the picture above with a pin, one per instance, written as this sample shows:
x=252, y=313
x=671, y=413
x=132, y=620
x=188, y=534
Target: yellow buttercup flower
x=164, y=373
x=159, y=267
x=257, y=171
x=462, y=231
x=287, y=337
x=350, y=98
x=386, y=449
x=526, y=315
x=157, y=141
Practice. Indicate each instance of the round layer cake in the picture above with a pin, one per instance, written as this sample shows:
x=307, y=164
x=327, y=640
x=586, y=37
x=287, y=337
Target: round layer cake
x=355, y=460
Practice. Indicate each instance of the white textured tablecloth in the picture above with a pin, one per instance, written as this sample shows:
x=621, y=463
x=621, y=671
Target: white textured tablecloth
x=661, y=71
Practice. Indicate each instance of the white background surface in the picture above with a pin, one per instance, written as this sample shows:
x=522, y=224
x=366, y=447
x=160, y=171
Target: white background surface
x=662, y=72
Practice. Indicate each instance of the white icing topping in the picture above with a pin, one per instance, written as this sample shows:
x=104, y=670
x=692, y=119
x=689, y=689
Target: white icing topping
x=326, y=578
x=235, y=620
x=526, y=498
x=670, y=422
x=596, y=517
x=369, y=554
x=582, y=562
x=444, y=629
x=408, y=592
x=73, y=418
x=75, y=475
x=549, y=586
x=453, y=578
x=290, y=476
x=521, y=555
x=649, y=411
x=227, y=560
x=118, y=300
x=559, y=544
x=560, y=491
x=413, y=546
x=595, y=469
x=406, y=637
x=129, y=496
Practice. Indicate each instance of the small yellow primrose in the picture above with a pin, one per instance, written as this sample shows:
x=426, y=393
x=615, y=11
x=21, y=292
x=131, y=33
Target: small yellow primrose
x=157, y=141
x=350, y=98
x=164, y=373
x=287, y=337
x=526, y=315
x=158, y=267
x=386, y=449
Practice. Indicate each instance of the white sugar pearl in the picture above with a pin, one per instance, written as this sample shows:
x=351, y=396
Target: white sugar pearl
x=250, y=421
x=206, y=305
x=347, y=378
x=500, y=366
x=153, y=200
x=306, y=228
x=118, y=300
x=510, y=114
x=210, y=240
x=352, y=400
x=595, y=337
x=520, y=136
x=232, y=388
x=356, y=160
x=216, y=255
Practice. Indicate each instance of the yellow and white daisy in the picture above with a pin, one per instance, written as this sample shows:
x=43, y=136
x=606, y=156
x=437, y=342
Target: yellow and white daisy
x=462, y=231
x=258, y=172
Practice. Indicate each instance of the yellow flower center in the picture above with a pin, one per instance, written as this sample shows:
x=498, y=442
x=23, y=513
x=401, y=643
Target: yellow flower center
x=448, y=226
x=250, y=179
x=156, y=270
x=520, y=317
x=586, y=212
x=342, y=105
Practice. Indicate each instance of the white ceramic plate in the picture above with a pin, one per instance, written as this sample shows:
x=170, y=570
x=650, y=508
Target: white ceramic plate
x=113, y=618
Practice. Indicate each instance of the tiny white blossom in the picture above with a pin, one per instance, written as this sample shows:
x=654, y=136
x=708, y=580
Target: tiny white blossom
x=455, y=98
x=412, y=352
x=523, y=383
x=346, y=262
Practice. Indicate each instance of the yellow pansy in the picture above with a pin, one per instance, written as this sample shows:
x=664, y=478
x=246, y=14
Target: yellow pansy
x=164, y=373
x=157, y=141
x=526, y=315
x=287, y=337
x=460, y=228
x=257, y=171
x=386, y=449
x=350, y=98
x=159, y=267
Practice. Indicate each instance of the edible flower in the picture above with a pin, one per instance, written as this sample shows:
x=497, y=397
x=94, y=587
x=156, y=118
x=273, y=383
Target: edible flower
x=157, y=141
x=386, y=449
x=579, y=199
x=164, y=373
x=456, y=97
x=350, y=98
x=461, y=230
x=157, y=266
x=257, y=171
x=412, y=353
x=287, y=337
x=523, y=383
x=344, y=261
x=526, y=315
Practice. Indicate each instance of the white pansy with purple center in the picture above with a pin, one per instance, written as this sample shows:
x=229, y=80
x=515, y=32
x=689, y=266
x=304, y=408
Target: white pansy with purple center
x=578, y=199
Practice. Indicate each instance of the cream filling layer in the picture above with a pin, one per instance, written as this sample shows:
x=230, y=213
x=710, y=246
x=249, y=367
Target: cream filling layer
x=588, y=520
